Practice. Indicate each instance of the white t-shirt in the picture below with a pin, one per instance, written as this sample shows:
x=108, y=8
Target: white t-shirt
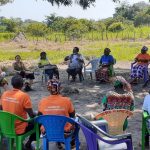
x=146, y=104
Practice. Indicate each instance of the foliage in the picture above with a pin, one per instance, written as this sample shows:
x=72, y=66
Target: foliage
x=115, y=27
x=3, y=2
x=37, y=29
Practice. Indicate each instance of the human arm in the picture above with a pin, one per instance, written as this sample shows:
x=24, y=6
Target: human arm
x=43, y=63
x=72, y=114
x=30, y=112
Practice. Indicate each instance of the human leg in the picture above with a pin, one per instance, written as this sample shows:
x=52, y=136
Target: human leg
x=72, y=72
x=49, y=72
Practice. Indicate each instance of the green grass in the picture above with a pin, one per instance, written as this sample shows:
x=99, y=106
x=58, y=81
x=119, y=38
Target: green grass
x=121, y=50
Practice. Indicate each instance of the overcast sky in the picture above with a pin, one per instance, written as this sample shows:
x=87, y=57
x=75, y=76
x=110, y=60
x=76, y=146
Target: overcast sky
x=38, y=9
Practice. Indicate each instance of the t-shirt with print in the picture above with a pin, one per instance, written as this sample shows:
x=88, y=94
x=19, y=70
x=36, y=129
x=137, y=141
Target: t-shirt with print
x=74, y=62
x=56, y=105
x=15, y=101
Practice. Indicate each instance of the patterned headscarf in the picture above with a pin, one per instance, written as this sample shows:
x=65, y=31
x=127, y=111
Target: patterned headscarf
x=54, y=86
x=119, y=81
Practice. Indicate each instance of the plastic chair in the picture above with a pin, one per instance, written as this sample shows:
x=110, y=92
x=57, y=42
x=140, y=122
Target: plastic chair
x=146, y=74
x=119, y=102
x=145, y=127
x=115, y=119
x=7, y=129
x=54, y=128
x=97, y=139
x=94, y=65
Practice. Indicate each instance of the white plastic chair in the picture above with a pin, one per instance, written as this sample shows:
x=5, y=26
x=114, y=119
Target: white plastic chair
x=94, y=65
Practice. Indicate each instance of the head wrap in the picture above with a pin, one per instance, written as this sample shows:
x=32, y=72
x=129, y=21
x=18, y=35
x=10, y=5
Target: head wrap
x=120, y=81
x=54, y=84
x=144, y=48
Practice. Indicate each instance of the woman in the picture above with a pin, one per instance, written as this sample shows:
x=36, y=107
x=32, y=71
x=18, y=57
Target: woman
x=3, y=81
x=50, y=70
x=120, y=98
x=20, y=69
x=141, y=65
x=106, y=66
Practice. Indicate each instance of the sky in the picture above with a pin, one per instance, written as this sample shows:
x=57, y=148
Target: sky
x=39, y=9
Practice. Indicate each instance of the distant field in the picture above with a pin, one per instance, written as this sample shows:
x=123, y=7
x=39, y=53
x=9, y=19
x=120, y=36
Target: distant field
x=121, y=50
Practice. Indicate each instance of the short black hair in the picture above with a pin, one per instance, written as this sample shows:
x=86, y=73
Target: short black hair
x=17, y=81
x=42, y=53
x=17, y=56
x=76, y=48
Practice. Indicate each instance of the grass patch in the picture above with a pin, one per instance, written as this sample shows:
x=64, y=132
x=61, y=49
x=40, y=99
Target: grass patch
x=121, y=50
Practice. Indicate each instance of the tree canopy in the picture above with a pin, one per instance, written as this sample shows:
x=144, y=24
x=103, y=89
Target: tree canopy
x=83, y=3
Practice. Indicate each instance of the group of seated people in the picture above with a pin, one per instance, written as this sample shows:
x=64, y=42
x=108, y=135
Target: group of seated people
x=18, y=102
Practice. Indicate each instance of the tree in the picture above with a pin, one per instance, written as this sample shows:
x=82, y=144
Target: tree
x=3, y=2
x=83, y=3
x=37, y=29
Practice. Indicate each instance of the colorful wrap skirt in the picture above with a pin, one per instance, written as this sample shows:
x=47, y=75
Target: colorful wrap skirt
x=138, y=71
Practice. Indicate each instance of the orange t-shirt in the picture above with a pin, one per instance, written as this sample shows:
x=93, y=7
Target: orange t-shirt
x=143, y=58
x=56, y=105
x=15, y=101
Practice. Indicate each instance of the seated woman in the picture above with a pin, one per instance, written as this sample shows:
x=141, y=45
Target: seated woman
x=50, y=70
x=3, y=81
x=75, y=65
x=141, y=65
x=106, y=66
x=121, y=98
x=20, y=69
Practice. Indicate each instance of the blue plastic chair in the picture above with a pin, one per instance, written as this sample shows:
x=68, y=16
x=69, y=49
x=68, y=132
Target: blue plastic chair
x=95, y=136
x=54, y=128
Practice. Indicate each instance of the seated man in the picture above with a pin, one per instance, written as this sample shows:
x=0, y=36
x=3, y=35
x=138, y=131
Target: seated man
x=106, y=66
x=19, y=103
x=56, y=104
x=19, y=68
x=75, y=66
x=122, y=91
x=49, y=69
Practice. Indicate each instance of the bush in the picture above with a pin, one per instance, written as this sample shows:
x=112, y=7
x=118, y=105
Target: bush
x=115, y=27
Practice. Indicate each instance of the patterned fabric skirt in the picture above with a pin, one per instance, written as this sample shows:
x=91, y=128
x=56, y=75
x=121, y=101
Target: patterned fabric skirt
x=102, y=74
x=138, y=71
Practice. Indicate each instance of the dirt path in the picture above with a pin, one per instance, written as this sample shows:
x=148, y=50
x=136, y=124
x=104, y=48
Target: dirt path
x=90, y=94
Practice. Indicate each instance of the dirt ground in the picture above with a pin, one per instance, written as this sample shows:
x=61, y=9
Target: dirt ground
x=88, y=100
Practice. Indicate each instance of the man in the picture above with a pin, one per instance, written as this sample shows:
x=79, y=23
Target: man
x=56, y=104
x=75, y=65
x=19, y=103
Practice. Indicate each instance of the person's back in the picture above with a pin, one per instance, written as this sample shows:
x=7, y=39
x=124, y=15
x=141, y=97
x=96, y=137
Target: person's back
x=56, y=104
x=15, y=101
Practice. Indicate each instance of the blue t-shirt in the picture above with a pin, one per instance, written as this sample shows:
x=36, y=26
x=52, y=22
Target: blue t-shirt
x=106, y=59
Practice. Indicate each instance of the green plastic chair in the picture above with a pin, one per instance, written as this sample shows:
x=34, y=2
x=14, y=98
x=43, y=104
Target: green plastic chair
x=7, y=129
x=145, y=128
